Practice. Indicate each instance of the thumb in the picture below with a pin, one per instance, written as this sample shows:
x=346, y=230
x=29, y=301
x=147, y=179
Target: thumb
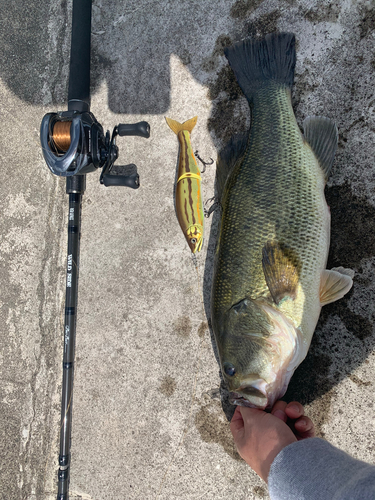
x=237, y=423
x=251, y=416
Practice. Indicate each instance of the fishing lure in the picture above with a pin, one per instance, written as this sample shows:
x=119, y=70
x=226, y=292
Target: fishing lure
x=189, y=205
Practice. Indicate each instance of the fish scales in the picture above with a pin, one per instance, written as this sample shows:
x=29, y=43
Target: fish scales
x=273, y=242
x=275, y=193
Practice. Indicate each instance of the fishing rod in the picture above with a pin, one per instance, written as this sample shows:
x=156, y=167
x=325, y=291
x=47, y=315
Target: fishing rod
x=73, y=145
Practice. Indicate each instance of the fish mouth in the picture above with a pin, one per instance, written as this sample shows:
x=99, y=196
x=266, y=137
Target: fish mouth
x=249, y=396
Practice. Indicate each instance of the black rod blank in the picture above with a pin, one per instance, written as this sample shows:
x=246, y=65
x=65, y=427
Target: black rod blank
x=79, y=100
x=75, y=187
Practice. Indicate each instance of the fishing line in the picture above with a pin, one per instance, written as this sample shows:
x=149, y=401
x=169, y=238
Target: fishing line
x=194, y=385
x=60, y=137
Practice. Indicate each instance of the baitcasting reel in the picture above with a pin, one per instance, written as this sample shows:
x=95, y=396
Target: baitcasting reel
x=73, y=143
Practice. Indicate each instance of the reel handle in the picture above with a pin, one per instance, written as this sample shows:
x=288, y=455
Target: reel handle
x=131, y=181
x=125, y=178
x=140, y=129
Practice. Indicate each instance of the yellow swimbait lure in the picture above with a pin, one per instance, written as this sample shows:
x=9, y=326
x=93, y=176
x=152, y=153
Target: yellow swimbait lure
x=189, y=205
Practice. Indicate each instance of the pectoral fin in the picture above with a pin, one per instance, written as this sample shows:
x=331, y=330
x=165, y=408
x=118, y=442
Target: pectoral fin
x=281, y=271
x=334, y=284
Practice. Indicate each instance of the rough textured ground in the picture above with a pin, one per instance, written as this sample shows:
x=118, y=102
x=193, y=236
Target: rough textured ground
x=148, y=421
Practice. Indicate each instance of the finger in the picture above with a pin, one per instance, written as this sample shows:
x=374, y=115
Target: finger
x=294, y=410
x=250, y=415
x=278, y=410
x=237, y=414
x=236, y=424
x=304, y=428
x=279, y=405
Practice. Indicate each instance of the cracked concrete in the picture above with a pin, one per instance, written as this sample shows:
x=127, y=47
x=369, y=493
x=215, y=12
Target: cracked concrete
x=149, y=418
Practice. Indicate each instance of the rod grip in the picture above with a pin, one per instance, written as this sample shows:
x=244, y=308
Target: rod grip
x=79, y=71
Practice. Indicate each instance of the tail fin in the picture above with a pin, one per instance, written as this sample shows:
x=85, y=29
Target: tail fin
x=177, y=127
x=255, y=62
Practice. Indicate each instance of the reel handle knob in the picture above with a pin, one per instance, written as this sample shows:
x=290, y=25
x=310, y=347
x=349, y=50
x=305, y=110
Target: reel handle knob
x=126, y=175
x=141, y=129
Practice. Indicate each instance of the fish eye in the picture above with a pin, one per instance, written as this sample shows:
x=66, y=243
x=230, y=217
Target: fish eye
x=193, y=241
x=229, y=369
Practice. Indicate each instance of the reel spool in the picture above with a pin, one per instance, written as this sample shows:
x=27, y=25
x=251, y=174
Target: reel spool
x=60, y=139
x=73, y=143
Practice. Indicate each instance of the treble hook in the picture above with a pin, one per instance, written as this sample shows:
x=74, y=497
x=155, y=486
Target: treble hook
x=213, y=207
x=205, y=163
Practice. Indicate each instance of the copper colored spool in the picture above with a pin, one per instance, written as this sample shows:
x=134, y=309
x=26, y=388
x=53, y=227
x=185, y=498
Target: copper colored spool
x=61, y=135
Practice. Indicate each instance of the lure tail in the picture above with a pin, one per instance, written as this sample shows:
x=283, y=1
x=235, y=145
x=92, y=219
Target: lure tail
x=256, y=62
x=179, y=127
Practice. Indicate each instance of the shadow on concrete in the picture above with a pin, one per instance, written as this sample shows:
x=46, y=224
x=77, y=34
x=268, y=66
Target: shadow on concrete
x=131, y=46
x=28, y=62
x=352, y=224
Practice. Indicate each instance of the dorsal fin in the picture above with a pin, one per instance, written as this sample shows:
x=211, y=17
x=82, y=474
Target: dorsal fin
x=322, y=136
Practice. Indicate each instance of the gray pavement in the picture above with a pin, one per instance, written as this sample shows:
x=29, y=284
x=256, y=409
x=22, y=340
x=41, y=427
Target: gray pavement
x=148, y=420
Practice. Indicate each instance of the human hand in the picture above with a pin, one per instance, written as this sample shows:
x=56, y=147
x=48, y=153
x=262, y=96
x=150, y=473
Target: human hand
x=260, y=436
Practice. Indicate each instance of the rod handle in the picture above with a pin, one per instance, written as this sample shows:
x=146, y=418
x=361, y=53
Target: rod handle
x=79, y=70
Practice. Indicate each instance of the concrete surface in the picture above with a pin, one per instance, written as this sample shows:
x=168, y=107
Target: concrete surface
x=148, y=421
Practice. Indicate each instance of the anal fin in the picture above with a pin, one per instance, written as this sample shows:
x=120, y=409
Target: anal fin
x=334, y=284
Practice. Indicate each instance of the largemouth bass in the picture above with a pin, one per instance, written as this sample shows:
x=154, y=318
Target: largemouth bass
x=189, y=205
x=270, y=279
